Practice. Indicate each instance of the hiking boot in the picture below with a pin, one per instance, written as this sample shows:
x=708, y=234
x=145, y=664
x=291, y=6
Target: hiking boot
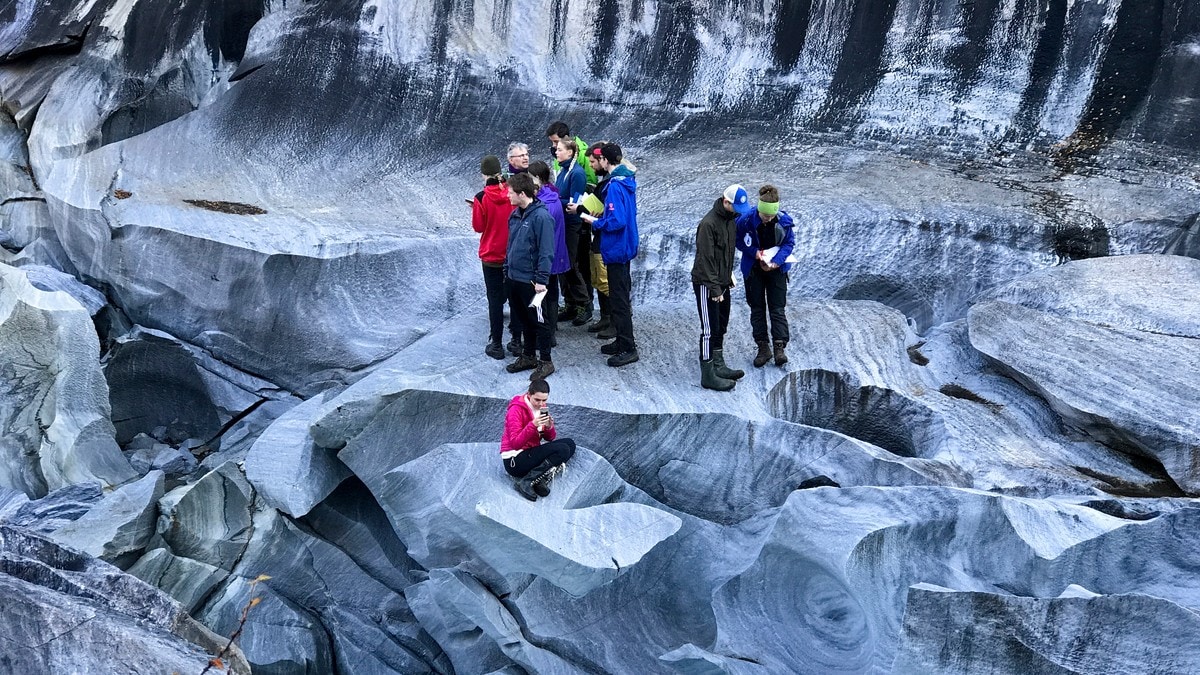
x=524, y=486
x=611, y=349
x=568, y=313
x=623, y=359
x=583, y=316
x=780, y=357
x=523, y=362
x=515, y=347
x=763, y=355
x=544, y=369
x=608, y=333
x=602, y=324
x=495, y=350
x=539, y=478
x=710, y=380
x=722, y=370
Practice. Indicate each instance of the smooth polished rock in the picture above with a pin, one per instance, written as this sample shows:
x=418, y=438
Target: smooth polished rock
x=1130, y=389
x=947, y=631
x=53, y=399
x=188, y=581
x=209, y=520
x=458, y=498
x=320, y=607
x=478, y=633
x=849, y=556
x=67, y=612
x=120, y=525
x=288, y=469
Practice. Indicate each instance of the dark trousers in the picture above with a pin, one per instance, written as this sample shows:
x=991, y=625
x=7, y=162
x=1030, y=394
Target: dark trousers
x=577, y=283
x=552, y=302
x=620, y=301
x=766, y=292
x=558, y=451
x=714, y=319
x=497, y=295
x=535, y=333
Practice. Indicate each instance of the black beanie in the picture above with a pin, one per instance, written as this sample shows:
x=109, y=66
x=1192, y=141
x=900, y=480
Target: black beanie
x=490, y=166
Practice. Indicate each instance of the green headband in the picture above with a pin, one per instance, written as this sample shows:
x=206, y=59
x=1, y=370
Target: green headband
x=768, y=208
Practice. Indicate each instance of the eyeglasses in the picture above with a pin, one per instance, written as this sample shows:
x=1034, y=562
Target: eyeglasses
x=523, y=154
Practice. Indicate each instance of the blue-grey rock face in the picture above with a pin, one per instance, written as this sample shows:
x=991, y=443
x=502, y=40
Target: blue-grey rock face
x=979, y=457
x=66, y=612
x=55, y=426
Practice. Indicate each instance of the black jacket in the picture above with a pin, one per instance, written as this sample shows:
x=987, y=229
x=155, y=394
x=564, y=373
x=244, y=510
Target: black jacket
x=715, y=235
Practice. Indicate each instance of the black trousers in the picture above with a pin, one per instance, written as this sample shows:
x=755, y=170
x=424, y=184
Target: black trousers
x=766, y=293
x=497, y=295
x=620, y=300
x=714, y=319
x=535, y=334
x=558, y=451
x=577, y=283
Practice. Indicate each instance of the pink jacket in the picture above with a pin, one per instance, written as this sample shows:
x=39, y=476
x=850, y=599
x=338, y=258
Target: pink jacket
x=520, y=433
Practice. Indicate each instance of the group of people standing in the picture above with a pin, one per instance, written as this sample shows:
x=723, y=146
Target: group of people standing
x=568, y=229
x=542, y=237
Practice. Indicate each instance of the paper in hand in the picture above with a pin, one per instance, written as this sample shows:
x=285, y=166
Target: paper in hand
x=770, y=253
x=537, y=303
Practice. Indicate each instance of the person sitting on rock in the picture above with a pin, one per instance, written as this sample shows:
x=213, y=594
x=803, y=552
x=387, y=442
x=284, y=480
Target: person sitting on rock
x=530, y=448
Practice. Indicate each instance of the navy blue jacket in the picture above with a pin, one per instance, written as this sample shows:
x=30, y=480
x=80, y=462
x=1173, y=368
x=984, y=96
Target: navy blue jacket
x=530, y=244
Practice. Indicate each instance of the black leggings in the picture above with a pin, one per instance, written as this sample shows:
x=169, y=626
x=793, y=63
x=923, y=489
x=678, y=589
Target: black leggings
x=558, y=451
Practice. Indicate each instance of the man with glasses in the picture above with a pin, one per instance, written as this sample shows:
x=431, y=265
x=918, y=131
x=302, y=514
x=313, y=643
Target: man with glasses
x=518, y=158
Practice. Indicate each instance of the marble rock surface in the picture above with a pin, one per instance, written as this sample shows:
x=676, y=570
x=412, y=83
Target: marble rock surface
x=53, y=399
x=120, y=525
x=64, y=611
x=1113, y=345
x=238, y=229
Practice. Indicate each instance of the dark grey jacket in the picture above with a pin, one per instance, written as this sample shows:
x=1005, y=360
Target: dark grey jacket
x=530, y=244
x=715, y=236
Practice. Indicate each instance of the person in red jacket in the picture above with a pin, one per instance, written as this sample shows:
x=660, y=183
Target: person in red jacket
x=489, y=217
x=530, y=447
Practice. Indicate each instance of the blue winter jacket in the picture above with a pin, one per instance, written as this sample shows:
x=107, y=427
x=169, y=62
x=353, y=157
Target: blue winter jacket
x=619, y=222
x=549, y=196
x=530, y=251
x=747, y=240
x=571, y=182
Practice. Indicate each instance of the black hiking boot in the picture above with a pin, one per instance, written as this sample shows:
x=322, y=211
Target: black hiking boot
x=539, y=478
x=495, y=350
x=610, y=349
x=623, y=359
x=722, y=370
x=524, y=486
x=763, y=355
x=515, y=347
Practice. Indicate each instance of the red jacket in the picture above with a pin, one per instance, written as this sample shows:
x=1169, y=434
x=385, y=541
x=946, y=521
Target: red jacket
x=489, y=217
x=520, y=433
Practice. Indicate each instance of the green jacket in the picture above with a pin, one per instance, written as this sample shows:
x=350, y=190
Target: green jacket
x=581, y=157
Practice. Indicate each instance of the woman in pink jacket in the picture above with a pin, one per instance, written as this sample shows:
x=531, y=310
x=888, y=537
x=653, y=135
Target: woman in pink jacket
x=530, y=447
